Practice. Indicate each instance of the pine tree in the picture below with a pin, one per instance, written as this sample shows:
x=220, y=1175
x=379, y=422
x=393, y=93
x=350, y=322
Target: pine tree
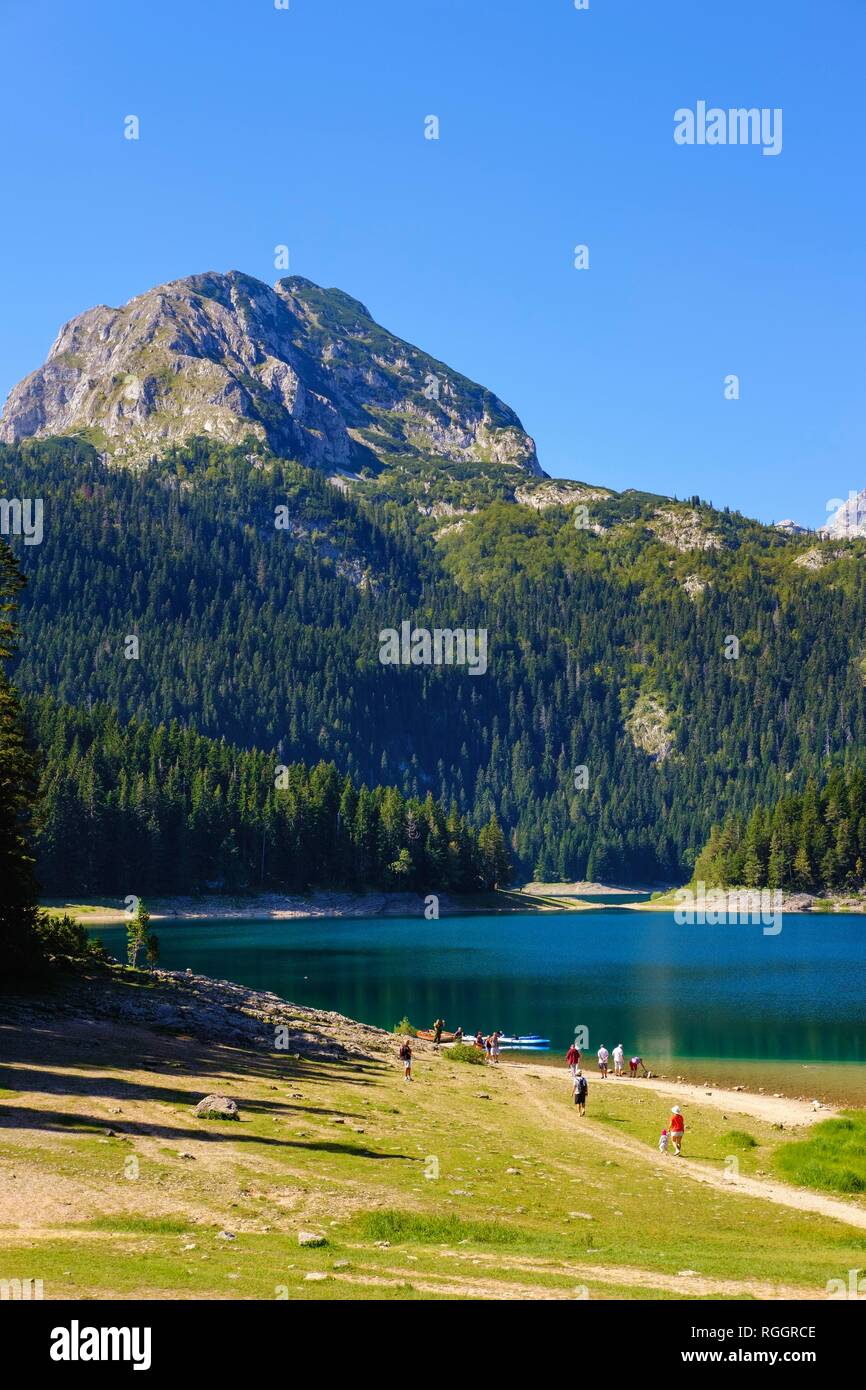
x=19, y=951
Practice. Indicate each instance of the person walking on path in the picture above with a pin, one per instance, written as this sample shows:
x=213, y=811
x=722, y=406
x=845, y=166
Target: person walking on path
x=437, y=1031
x=663, y=1142
x=618, y=1059
x=406, y=1059
x=494, y=1051
x=572, y=1058
x=581, y=1091
x=677, y=1127
x=603, y=1059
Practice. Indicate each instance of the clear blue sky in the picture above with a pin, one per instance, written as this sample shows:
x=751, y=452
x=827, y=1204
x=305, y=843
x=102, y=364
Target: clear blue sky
x=305, y=127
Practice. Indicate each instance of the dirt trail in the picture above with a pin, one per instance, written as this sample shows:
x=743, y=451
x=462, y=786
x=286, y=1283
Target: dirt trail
x=774, y=1109
x=623, y=1276
x=765, y=1189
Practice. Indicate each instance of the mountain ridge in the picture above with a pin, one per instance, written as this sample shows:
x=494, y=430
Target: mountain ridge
x=304, y=371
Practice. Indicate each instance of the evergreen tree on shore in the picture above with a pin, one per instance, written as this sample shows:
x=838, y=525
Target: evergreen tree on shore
x=18, y=911
x=814, y=842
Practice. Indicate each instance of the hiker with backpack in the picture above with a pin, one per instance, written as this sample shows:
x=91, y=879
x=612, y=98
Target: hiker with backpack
x=581, y=1091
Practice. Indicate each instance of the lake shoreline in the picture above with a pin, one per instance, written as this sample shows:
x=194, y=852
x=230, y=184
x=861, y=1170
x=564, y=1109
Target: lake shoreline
x=103, y=911
x=192, y=1004
x=575, y=897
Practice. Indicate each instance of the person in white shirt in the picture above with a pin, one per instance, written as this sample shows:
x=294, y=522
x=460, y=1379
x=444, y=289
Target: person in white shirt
x=603, y=1059
x=618, y=1059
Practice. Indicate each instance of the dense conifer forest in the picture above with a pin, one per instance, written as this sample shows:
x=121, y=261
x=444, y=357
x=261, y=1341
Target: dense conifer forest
x=812, y=842
x=141, y=809
x=608, y=735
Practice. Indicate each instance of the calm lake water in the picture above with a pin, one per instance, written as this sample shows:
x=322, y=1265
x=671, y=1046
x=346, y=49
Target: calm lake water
x=632, y=977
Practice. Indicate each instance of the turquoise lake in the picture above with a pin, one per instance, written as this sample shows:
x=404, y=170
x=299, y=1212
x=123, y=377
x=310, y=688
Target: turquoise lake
x=638, y=978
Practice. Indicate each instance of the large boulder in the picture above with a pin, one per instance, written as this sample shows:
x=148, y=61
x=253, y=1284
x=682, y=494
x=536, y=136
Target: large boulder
x=217, y=1108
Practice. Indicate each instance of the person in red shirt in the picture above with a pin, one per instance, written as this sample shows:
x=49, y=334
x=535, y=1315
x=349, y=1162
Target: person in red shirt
x=677, y=1127
x=572, y=1058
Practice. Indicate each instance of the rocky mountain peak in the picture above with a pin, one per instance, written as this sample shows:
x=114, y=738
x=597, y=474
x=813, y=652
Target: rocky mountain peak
x=848, y=520
x=307, y=371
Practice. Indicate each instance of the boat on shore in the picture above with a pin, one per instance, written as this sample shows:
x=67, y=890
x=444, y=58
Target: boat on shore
x=525, y=1042
x=429, y=1035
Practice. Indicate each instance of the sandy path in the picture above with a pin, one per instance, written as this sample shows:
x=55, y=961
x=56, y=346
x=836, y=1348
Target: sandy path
x=774, y=1109
x=765, y=1189
x=622, y=1276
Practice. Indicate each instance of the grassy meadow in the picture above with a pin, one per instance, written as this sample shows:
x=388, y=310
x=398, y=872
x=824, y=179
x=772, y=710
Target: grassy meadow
x=468, y=1183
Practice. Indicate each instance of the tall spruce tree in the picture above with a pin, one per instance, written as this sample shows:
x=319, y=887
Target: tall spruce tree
x=18, y=907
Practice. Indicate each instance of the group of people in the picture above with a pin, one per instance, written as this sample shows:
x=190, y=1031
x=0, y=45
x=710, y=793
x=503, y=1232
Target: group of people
x=619, y=1062
x=490, y=1044
x=572, y=1057
x=673, y=1134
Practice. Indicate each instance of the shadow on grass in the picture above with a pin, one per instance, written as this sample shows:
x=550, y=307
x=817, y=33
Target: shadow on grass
x=232, y=1132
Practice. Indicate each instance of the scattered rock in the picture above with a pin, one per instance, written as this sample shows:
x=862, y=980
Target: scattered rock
x=226, y=1235
x=311, y=1238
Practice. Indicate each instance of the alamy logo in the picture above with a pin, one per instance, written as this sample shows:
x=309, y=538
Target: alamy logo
x=444, y=646
x=21, y=1290
x=77, y=1343
x=22, y=516
x=736, y=126
x=760, y=907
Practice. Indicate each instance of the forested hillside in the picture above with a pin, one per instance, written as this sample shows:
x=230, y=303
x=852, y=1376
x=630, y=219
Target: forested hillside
x=610, y=731
x=141, y=809
x=813, y=841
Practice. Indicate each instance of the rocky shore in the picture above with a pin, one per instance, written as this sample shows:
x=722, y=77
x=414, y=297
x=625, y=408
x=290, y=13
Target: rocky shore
x=181, y=1003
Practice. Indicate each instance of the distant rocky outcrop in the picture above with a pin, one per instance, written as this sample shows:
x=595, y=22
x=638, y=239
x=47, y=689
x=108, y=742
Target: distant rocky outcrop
x=306, y=371
x=648, y=727
x=683, y=529
x=556, y=493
